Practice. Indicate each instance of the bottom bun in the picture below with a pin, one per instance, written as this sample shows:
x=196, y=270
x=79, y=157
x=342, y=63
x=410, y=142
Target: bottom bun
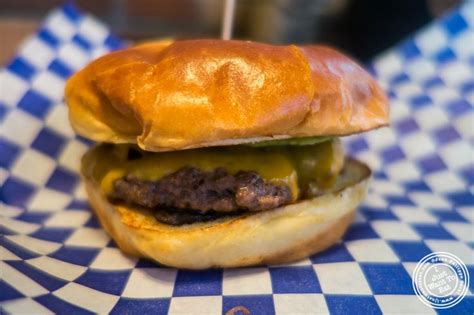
x=277, y=236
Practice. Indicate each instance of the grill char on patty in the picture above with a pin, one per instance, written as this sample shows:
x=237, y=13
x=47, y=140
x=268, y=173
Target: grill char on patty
x=186, y=216
x=192, y=188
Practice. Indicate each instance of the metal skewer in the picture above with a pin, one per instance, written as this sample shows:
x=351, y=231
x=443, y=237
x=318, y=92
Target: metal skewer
x=228, y=19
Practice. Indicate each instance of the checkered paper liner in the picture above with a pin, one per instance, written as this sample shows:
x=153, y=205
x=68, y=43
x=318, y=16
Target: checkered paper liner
x=55, y=258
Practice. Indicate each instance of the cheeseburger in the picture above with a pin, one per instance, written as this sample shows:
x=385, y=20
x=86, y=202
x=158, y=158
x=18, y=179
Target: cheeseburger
x=223, y=153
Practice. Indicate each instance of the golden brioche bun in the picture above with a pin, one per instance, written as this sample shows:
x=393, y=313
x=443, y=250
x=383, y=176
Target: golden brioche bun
x=185, y=94
x=277, y=236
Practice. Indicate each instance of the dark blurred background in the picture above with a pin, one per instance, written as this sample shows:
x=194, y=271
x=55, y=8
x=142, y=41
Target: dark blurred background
x=362, y=28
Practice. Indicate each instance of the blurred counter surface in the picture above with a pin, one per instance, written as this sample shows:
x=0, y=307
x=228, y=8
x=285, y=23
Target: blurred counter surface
x=342, y=23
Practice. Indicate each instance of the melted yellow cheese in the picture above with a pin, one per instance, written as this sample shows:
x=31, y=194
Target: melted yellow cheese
x=294, y=166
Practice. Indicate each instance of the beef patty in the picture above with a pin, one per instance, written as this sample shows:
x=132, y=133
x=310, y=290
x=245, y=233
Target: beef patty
x=187, y=216
x=214, y=191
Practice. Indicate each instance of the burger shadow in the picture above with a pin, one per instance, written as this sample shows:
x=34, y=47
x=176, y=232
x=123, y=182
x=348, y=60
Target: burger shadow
x=201, y=282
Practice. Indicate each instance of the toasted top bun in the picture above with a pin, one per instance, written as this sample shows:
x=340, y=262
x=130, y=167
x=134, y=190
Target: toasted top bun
x=185, y=94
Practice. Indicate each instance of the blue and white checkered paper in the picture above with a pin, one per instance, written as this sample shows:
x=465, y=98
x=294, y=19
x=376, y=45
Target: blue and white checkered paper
x=55, y=258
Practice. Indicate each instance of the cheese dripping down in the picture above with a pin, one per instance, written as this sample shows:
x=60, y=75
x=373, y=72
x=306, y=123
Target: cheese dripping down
x=293, y=166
